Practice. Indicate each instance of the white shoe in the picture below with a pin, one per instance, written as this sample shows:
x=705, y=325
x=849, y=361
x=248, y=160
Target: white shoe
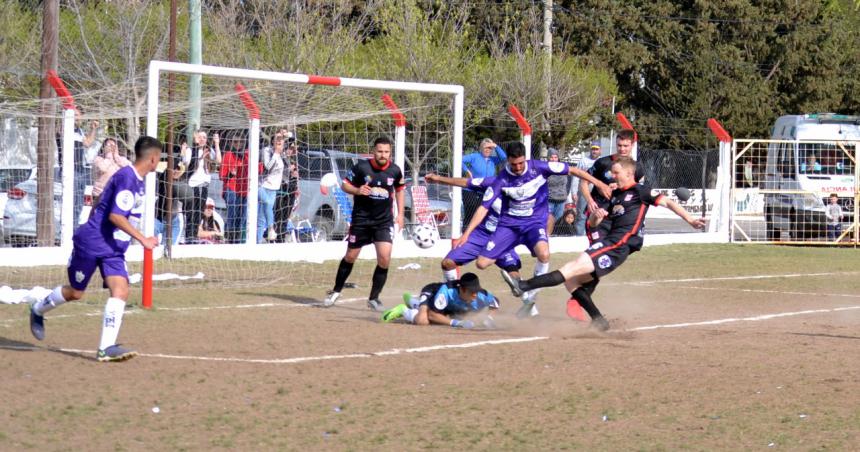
x=272, y=235
x=527, y=310
x=330, y=299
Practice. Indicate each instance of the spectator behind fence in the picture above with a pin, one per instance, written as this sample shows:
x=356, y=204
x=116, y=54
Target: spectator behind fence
x=105, y=165
x=559, y=189
x=234, y=174
x=834, y=218
x=197, y=160
x=483, y=163
x=811, y=165
x=83, y=169
x=161, y=206
x=585, y=164
x=567, y=226
x=209, y=229
x=270, y=182
x=288, y=195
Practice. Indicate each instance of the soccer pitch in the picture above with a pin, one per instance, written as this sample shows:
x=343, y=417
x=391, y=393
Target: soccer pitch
x=711, y=347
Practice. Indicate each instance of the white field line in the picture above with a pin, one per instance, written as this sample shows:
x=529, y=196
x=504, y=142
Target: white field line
x=739, y=278
x=303, y=359
x=757, y=318
x=432, y=348
x=7, y=322
x=779, y=292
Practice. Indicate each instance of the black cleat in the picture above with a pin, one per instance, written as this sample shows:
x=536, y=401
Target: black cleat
x=600, y=323
x=513, y=283
x=37, y=325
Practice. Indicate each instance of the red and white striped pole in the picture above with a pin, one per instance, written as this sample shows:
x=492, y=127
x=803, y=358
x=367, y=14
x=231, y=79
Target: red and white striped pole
x=625, y=123
x=253, y=161
x=399, y=138
x=724, y=181
x=67, y=216
x=525, y=128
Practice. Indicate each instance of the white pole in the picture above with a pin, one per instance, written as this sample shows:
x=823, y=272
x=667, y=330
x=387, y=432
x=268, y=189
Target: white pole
x=67, y=215
x=152, y=131
x=527, y=142
x=253, y=180
x=400, y=148
x=457, y=200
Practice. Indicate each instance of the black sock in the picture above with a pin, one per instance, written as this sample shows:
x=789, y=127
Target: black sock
x=583, y=297
x=379, y=276
x=343, y=271
x=591, y=285
x=553, y=278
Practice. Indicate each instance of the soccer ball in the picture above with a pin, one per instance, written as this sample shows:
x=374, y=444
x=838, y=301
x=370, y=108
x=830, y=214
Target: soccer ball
x=424, y=236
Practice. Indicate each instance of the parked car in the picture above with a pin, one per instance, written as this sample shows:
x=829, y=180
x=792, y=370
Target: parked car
x=19, y=215
x=9, y=178
x=322, y=209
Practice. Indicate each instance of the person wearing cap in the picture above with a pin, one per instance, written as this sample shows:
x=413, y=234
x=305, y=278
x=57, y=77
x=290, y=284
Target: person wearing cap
x=559, y=188
x=585, y=164
x=209, y=230
x=446, y=303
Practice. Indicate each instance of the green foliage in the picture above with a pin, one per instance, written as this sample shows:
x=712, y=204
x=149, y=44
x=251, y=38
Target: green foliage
x=743, y=62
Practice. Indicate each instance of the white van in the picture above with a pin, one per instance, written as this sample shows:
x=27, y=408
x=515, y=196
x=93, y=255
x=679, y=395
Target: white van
x=810, y=164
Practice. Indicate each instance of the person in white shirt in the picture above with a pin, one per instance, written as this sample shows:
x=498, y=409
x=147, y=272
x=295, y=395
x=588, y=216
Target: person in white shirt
x=270, y=182
x=585, y=164
x=197, y=160
x=834, y=218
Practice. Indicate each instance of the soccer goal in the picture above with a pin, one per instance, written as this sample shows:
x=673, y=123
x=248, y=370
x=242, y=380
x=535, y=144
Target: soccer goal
x=330, y=123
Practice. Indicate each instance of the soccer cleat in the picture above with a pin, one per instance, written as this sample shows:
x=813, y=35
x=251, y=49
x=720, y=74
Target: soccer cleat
x=528, y=309
x=600, y=323
x=115, y=353
x=394, y=313
x=514, y=283
x=575, y=311
x=37, y=325
x=375, y=305
x=330, y=299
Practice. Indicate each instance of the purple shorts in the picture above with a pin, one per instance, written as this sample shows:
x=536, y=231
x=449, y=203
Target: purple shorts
x=505, y=239
x=470, y=250
x=82, y=266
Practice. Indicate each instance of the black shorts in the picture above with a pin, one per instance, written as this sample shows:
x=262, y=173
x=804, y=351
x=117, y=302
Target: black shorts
x=360, y=236
x=607, y=257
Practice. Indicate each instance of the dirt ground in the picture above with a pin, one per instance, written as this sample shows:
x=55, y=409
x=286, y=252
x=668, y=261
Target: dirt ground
x=710, y=348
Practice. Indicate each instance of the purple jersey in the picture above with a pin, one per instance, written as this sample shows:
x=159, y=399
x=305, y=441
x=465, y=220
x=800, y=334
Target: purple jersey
x=524, y=197
x=491, y=221
x=122, y=195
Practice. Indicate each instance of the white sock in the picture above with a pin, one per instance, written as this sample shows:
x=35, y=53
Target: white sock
x=450, y=275
x=541, y=268
x=54, y=299
x=414, y=302
x=112, y=321
x=410, y=314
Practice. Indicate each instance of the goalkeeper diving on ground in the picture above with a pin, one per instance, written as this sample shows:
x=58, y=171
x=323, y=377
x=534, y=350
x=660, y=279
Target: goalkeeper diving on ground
x=457, y=303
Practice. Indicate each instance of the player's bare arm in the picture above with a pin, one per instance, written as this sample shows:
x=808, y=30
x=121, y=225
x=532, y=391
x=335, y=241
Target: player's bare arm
x=453, y=181
x=597, y=217
x=585, y=178
x=123, y=224
x=696, y=223
x=477, y=218
x=586, y=195
x=347, y=187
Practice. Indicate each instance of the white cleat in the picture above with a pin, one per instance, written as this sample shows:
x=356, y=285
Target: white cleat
x=331, y=299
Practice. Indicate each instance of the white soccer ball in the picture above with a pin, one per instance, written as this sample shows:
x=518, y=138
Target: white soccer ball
x=424, y=236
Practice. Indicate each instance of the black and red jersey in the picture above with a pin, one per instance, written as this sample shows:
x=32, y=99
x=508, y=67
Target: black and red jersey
x=601, y=170
x=627, y=209
x=376, y=208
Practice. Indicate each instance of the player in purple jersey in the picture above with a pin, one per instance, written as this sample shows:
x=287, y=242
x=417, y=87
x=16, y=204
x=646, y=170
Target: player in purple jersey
x=101, y=243
x=469, y=251
x=522, y=188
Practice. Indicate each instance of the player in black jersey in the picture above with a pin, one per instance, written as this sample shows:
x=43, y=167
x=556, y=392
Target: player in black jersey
x=624, y=216
x=374, y=184
x=602, y=170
